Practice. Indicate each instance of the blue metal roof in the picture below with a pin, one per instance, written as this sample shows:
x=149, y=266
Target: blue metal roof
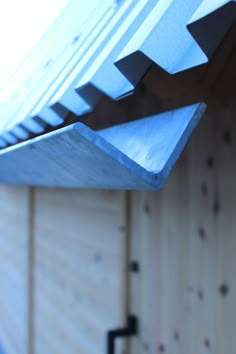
x=71, y=68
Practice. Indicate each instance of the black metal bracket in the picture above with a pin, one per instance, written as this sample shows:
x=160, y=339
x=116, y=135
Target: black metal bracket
x=130, y=330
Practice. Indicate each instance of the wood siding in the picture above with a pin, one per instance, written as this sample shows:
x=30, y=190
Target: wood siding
x=76, y=275
x=184, y=239
x=14, y=242
x=79, y=270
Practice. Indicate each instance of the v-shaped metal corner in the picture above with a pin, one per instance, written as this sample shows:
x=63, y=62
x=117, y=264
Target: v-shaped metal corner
x=134, y=155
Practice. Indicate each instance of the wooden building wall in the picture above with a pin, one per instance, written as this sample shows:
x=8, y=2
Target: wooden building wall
x=63, y=257
x=62, y=266
x=184, y=239
x=73, y=263
x=14, y=267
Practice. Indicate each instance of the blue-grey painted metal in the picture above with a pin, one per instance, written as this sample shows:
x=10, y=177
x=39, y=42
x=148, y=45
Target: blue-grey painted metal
x=71, y=63
x=72, y=66
x=20, y=132
x=51, y=117
x=211, y=22
x=135, y=155
x=67, y=95
x=164, y=39
x=54, y=54
x=9, y=138
x=32, y=126
x=3, y=143
x=67, y=67
x=103, y=76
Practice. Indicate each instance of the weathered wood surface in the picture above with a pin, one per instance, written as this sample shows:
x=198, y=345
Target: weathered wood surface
x=14, y=243
x=184, y=239
x=79, y=270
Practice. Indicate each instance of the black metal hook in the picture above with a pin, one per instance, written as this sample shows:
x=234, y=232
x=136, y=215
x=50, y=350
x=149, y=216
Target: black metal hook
x=130, y=330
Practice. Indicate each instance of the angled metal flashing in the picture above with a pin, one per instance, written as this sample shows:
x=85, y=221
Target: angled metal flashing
x=3, y=143
x=21, y=133
x=115, y=158
x=103, y=75
x=165, y=24
x=90, y=79
x=9, y=138
x=211, y=22
x=84, y=55
x=109, y=55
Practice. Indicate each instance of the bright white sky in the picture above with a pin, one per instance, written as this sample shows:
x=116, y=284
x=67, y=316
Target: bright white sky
x=22, y=23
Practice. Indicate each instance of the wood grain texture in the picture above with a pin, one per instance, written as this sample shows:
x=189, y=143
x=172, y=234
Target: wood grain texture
x=184, y=241
x=14, y=241
x=79, y=270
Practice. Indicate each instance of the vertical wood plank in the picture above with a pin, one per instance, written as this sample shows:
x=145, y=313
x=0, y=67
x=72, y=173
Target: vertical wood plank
x=80, y=269
x=184, y=241
x=14, y=237
x=31, y=266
